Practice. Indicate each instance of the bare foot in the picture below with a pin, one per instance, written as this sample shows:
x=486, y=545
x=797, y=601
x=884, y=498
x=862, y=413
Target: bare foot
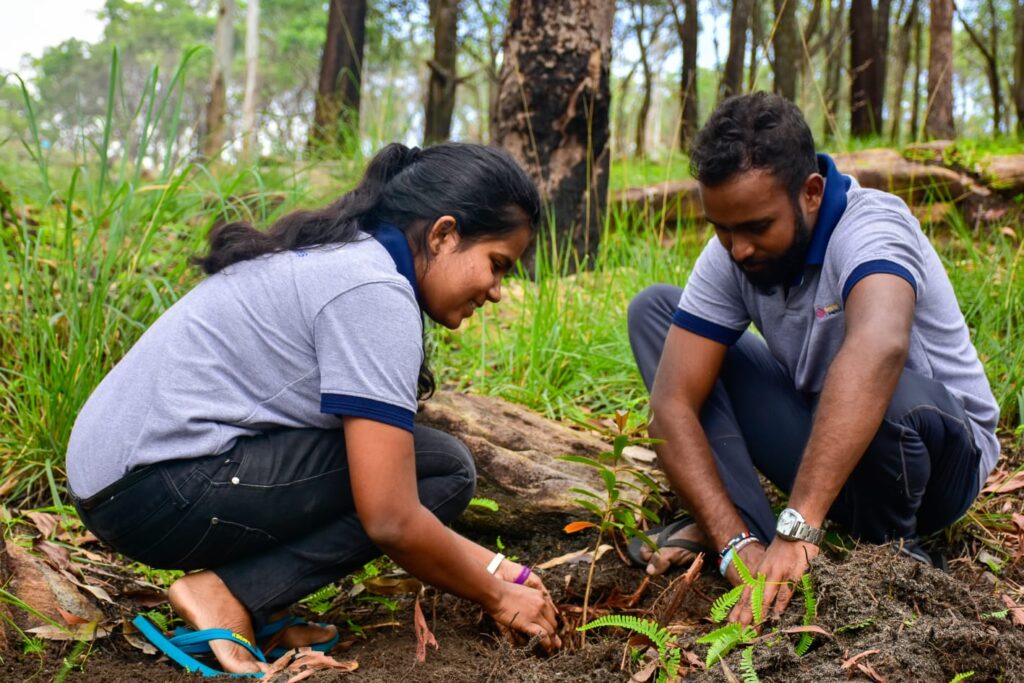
x=660, y=561
x=302, y=635
x=203, y=601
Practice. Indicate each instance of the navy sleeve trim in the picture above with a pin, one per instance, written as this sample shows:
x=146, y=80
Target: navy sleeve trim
x=706, y=328
x=378, y=411
x=877, y=266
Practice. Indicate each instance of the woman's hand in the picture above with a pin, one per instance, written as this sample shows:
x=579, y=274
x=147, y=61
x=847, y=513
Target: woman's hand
x=510, y=571
x=530, y=611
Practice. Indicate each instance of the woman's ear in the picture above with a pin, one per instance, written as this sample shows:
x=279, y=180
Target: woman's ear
x=442, y=230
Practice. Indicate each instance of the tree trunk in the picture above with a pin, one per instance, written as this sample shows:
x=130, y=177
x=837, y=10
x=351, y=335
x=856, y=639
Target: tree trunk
x=786, y=48
x=621, y=129
x=252, y=55
x=903, y=40
x=832, y=43
x=915, y=104
x=881, y=61
x=991, y=56
x=688, y=30
x=646, y=34
x=756, y=41
x=1018, y=63
x=444, y=18
x=553, y=110
x=223, y=47
x=938, y=120
x=337, y=99
x=732, y=78
x=862, y=57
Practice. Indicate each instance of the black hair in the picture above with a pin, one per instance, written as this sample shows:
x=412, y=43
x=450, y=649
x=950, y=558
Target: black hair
x=755, y=131
x=483, y=188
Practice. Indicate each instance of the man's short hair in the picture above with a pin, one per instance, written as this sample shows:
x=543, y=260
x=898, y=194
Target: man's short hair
x=755, y=131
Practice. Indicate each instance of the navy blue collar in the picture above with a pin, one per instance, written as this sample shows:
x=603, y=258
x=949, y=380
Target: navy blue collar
x=833, y=204
x=393, y=240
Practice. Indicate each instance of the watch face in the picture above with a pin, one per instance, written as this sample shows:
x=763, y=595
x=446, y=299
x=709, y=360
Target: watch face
x=788, y=521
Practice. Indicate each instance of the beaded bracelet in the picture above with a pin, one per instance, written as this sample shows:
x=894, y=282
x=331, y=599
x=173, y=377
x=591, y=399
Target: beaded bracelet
x=737, y=541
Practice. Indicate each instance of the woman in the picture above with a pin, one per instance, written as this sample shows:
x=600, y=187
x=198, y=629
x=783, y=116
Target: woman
x=262, y=429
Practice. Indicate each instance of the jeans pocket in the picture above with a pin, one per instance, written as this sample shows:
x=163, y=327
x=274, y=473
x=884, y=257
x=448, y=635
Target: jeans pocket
x=222, y=541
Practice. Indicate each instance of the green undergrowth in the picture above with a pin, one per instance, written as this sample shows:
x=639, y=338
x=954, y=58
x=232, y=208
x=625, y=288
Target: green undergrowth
x=95, y=241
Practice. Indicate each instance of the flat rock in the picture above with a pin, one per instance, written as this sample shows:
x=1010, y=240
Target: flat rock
x=516, y=453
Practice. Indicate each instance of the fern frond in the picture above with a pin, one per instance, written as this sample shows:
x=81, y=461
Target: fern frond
x=856, y=626
x=744, y=573
x=961, y=677
x=747, y=666
x=720, y=608
x=757, y=598
x=158, y=618
x=645, y=627
x=722, y=641
x=810, y=613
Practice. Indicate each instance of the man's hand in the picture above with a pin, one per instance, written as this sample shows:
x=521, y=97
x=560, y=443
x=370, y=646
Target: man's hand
x=783, y=565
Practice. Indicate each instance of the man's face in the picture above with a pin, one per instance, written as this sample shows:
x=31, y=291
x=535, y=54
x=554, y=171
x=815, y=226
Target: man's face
x=766, y=234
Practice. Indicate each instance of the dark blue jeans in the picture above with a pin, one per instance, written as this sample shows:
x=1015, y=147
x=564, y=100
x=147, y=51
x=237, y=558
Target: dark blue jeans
x=273, y=517
x=918, y=475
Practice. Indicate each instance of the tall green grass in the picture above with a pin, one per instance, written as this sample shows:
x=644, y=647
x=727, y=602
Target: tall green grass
x=94, y=246
x=91, y=252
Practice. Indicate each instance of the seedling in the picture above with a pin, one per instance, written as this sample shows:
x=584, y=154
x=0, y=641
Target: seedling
x=616, y=514
x=668, y=652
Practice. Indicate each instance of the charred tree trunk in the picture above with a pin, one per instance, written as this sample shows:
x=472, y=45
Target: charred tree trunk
x=553, y=111
x=688, y=29
x=216, y=107
x=732, y=78
x=337, y=98
x=863, y=117
x=444, y=15
x=786, y=48
x=938, y=120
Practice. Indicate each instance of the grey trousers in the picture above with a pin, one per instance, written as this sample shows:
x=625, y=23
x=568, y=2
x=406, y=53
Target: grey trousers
x=918, y=475
x=273, y=517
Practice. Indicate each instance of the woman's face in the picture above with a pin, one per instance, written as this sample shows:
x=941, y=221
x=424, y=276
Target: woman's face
x=461, y=276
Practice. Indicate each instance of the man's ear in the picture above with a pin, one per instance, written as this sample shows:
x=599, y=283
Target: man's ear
x=812, y=193
x=443, y=229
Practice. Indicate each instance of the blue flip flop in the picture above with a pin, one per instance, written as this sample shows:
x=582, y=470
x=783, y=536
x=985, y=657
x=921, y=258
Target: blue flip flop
x=178, y=647
x=264, y=634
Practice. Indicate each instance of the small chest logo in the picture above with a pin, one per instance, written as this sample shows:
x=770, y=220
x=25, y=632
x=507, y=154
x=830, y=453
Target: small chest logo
x=823, y=312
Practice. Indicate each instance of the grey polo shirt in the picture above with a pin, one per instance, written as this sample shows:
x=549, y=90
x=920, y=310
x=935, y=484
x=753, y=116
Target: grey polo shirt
x=294, y=339
x=859, y=232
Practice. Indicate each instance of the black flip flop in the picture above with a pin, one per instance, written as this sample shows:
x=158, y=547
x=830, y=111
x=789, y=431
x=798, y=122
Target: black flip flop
x=661, y=538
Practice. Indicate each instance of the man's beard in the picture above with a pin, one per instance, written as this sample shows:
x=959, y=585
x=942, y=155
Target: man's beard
x=783, y=269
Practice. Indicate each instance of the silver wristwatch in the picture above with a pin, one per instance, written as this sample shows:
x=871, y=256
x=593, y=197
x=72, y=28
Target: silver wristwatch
x=792, y=527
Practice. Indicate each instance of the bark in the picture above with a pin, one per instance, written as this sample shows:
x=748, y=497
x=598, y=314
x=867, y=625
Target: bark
x=216, y=106
x=621, y=131
x=938, y=121
x=337, y=98
x=1018, y=63
x=832, y=43
x=732, y=78
x=991, y=56
x=553, y=112
x=252, y=55
x=863, y=116
x=688, y=29
x=444, y=15
x=786, y=48
x=881, y=60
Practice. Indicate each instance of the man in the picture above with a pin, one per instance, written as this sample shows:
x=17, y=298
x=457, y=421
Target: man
x=863, y=398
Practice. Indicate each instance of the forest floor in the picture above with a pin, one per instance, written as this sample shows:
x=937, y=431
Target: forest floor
x=882, y=617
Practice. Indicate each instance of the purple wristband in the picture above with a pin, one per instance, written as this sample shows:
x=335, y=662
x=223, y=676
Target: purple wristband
x=523, y=575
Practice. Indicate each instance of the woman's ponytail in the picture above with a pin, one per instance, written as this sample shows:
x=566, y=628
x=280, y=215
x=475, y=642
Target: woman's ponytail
x=335, y=224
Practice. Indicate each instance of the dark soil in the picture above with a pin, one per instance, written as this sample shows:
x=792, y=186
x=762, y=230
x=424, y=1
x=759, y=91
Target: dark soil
x=925, y=626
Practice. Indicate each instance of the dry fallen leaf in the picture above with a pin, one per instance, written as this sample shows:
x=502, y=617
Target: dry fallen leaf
x=1016, y=613
x=59, y=557
x=423, y=635
x=139, y=642
x=44, y=521
x=379, y=585
x=574, y=557
x=1005, y=483
x=89, y=631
